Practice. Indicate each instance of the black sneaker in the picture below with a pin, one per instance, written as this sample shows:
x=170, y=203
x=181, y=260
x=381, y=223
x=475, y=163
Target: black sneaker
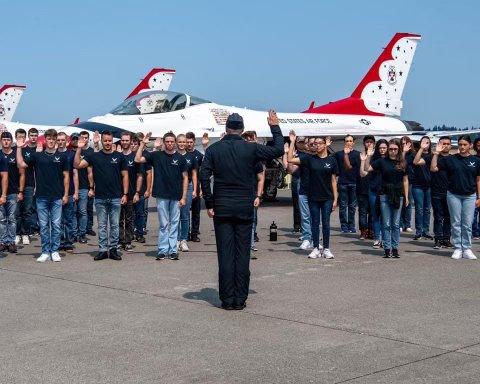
x=3, y=247
x=194, y=238
x=437, y=244
x=128, y=247
x=395, y=254
x=447, y=244
x=12, y=248
x=239, y=307
x=160, y=256
x=228, y=307
x=68, y=248
x=82, y=240
x=387, y=254
x=91, y=232
x=255, y=238
x=427, y=236
x=113, y=254
x=101, y=256
x=417, y=237
x=173, y=256
x=140, y=239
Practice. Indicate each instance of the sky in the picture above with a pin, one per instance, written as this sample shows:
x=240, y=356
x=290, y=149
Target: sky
x=83, y=58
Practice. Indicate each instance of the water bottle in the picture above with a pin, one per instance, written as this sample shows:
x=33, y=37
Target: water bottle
x=273, y=232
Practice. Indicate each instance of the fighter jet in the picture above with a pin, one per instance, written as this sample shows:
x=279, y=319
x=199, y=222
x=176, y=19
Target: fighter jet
x=158, y=79
x=374, y=107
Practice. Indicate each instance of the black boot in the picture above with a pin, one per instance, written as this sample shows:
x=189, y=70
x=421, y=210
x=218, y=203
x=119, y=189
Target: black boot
x=395, y=254
x=113, y=254
x=387, y=254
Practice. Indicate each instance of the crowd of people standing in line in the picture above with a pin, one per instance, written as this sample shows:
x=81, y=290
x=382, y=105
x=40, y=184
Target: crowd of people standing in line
x=383, y=182
x=51, y=188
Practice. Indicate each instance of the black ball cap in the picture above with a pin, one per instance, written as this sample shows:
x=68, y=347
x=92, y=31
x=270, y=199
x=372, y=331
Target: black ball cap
x=234, y=121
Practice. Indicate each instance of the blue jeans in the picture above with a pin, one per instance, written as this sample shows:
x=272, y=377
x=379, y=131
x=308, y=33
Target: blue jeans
x=347, y=198
x=82, y=216
x=461, y=216
x=139, y=217
x=168, y=219
x=26, y=213
x=390, y=223
x=184, y=228
x=69, y=225
x=8, y=220
x=305, y=217
x=441, y=218
x=476, y=223
x=376, y=219
x=108, y=217
x=406, y=217
x=90, y=213
x=423, y=200
x=325, y=209
x=49, y=212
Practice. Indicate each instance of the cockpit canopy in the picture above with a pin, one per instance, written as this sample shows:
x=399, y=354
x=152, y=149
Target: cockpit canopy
x=156, y=102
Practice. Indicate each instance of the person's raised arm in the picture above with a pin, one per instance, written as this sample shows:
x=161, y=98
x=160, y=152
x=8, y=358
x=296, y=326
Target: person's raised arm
x=205, y=140
x=434, y=164
x=368, y=159
x=96, y=141
x=264, y=152
x=346, y=158
x=417, y=160
x=291, y=149
x=139, y=158
x=78, y=162
x=20, y=160
x=363, y=158
x=406, y=149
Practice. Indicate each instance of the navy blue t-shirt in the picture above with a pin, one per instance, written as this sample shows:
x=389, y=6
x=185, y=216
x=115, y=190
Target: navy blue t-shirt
x=167, y=174
x=320, y=176
x=389, y=172
x=83, y=173
x=13, y=172
x=198, y=157
x=48, y=168
x=70, y=155
x=348, y=176
x=420, y=174
x=439, y=182
x=29, y=172
x=462, y=172
x=303, y=174
x=3, y=168
x=107, y=173
x=191, y=161
x=133, y=170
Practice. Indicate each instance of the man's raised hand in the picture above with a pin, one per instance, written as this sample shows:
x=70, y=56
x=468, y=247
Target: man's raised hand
x=272, y=117
x=146, y=138
x=82, y=142
x=440, y=146
x=21, y=142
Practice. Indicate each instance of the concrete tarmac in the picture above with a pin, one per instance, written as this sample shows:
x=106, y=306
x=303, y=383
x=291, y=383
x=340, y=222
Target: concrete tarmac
x=358, y=318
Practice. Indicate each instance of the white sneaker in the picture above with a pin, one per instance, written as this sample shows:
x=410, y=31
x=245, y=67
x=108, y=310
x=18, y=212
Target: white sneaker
x=43, y=258
x=468, y=254
x=315, y=254
x=56, y=256
x=408, y=229
x=327, y=254
x=17, y=240
x=306, y=245
x=184, y=246
x=25, y=240
x=457, y=254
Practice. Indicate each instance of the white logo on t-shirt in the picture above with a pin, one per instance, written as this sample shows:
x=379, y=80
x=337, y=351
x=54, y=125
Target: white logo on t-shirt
x=12, y=160
x=471, y=164
x=56, y=159
x=188, y=161
x=114, y=160
x=130, y=163
x=328, y=165
x=174, y=162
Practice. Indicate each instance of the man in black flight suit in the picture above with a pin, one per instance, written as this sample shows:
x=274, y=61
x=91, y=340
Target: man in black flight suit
x=231, y=162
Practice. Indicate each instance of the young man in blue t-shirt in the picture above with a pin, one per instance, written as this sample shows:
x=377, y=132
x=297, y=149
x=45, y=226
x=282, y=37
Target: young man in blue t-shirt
x=110, y=176
x=52, y=181
x=170, y=183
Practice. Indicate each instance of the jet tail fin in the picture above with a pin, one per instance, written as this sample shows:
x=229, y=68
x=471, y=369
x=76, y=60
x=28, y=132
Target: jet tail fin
x=380, y=91
x=157, y=79
x=9, y=99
